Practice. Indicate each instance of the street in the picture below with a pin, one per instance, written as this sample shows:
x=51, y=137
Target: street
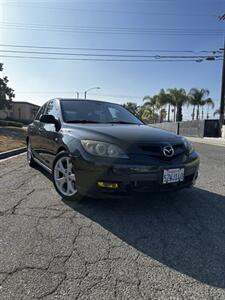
x=165, y=246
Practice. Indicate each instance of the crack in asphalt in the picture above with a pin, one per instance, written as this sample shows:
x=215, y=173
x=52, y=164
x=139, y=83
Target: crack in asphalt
x=165, y=248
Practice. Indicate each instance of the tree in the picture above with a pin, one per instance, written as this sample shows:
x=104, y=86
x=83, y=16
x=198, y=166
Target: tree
x=152, y=104
x=132, y=107
x=192, y=102
x=165, y=99
x=217, y=112
x=178, y=99
x=209, y=103
x=162, y=115
x=197, y=98
x=147, y=115
x=6, y=93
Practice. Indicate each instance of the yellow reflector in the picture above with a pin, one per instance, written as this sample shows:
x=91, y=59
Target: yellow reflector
x=110, y=185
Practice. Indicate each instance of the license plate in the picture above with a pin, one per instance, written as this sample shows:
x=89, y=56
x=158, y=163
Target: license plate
x=173, y=175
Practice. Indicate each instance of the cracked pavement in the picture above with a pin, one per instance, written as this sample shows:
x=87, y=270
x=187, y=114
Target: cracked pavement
x=165, y=246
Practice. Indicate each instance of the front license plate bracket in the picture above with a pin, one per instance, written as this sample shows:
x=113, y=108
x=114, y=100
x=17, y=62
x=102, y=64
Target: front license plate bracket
x=173, y=175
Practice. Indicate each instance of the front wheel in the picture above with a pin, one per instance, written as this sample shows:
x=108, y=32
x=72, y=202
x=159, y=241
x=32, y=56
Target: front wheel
x=64, y=178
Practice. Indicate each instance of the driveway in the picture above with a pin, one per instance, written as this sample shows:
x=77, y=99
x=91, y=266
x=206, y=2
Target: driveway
x=167, y=246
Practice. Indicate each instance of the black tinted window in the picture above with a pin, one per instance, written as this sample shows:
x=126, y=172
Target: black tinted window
x=96, y=111
x=40, y=112
x=52, y=109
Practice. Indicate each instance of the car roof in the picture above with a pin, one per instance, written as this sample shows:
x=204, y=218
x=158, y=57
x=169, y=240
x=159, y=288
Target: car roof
x=91, y=100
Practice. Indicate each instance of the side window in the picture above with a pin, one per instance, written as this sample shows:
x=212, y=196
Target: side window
x=115, y=114
x=52, y=109
x=40, y=112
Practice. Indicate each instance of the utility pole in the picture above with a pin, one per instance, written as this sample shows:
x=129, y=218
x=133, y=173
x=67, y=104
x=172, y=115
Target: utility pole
x=222, y=100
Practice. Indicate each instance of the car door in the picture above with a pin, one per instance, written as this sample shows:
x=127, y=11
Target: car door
x=35, y=132
x=51, y=138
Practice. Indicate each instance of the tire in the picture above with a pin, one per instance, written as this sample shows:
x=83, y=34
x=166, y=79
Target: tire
x=63, y=177
x=30, y=159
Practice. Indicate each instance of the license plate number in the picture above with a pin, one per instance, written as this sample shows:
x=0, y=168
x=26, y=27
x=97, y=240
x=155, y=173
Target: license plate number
x=173, y=175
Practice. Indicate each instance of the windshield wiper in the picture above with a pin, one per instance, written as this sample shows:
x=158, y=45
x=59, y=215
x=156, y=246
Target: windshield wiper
x=82, y=121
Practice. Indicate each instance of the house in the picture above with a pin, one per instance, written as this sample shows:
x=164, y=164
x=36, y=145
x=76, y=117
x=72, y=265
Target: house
x=20, y=111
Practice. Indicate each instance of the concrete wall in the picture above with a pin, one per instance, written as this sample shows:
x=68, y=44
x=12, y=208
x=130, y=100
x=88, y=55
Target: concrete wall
x=191, y=128
x=173, y=126
x=196, y=128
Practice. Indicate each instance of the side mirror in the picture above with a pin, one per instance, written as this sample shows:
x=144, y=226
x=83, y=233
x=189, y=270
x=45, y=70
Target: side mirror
x=50, y=119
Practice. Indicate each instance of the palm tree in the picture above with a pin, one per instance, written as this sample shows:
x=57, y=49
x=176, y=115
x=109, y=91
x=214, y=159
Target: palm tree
x=152, y=103
x=165, y=99
x=217, y=112
x=192, y=102
x=178, y=99
x=132, y=107
x=196, y=98
x=209, y=103
x=162, y=115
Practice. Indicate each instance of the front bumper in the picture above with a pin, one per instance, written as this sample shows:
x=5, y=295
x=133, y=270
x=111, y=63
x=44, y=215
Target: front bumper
x=131, y=178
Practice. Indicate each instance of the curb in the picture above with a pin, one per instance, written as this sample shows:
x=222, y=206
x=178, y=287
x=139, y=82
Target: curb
x=12, y=152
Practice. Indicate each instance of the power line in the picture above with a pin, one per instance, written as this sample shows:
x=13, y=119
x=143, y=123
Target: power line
x=112, y=30
x=101, y=59
x=110, y=49
x=112, y=55
x=98, y=27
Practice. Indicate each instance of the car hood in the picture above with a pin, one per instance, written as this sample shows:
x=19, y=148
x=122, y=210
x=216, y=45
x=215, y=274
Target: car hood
x=125, y=134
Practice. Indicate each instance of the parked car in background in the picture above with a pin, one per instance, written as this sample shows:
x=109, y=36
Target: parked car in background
x=98, y=148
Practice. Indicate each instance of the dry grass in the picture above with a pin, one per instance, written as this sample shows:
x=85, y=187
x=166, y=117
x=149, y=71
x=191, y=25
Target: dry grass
x=12, y=138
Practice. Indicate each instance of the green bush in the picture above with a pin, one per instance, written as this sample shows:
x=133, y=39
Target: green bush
x=10, y=123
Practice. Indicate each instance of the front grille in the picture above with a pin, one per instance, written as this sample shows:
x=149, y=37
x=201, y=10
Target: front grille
x=156, y=151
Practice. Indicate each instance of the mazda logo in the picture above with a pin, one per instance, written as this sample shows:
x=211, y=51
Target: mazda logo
x=168, y=151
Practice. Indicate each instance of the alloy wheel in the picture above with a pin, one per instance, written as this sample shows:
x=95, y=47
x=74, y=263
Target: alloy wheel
x=64, y=176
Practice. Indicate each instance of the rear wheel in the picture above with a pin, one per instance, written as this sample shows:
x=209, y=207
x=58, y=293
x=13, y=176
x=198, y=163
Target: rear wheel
x=30, y=158
x=64, y=177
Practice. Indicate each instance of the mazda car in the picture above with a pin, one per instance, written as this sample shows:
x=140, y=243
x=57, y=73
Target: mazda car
x=99, y=149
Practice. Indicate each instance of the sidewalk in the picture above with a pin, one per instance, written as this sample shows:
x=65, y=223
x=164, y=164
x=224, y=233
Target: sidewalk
x=207, y=140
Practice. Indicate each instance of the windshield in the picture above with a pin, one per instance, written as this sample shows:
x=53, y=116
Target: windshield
x=86, y=111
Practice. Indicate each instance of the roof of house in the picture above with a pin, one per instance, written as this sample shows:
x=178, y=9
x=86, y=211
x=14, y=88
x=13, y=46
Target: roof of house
x=24, y=102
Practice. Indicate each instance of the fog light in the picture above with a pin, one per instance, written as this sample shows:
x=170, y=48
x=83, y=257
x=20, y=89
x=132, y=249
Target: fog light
x=110, y=185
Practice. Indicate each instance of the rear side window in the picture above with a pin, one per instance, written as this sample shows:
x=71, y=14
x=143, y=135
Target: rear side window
x=40, y=112
x=52, y=109
x=115, y=113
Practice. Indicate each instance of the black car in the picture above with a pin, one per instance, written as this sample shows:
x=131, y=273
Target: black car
x=98, y=148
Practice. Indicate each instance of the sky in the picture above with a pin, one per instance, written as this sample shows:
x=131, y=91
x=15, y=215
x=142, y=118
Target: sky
x=173, y=25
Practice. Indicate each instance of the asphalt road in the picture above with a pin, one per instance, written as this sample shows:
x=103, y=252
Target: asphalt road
x=169, y=246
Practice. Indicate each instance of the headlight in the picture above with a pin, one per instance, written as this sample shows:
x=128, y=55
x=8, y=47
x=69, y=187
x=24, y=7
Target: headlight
x=189, y=146
x=103, y=149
